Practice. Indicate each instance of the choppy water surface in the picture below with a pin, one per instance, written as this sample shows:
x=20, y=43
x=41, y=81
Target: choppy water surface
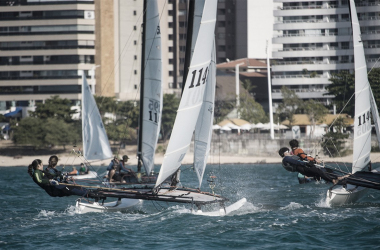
x=280, y=214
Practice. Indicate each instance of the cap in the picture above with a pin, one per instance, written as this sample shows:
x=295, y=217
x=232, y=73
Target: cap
x=125, y=157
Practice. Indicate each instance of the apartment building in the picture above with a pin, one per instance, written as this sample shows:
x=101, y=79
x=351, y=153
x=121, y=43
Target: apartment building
x=316, y=42
x=45, y=46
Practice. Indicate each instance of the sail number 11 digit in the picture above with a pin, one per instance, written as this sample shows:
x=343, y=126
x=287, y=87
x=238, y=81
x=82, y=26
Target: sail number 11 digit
x=154, y=108
x=201, y=77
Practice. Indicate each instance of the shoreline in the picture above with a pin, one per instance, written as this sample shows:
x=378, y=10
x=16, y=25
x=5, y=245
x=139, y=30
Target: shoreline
x=70, y=160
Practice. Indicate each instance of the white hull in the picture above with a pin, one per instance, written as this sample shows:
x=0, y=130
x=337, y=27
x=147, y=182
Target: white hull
x=90, y=175
x=233, y=207
x=115, y=206
x=339, y=195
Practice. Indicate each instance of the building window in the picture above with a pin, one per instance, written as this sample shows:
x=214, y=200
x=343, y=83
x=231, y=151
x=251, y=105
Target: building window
x=182, y=48
x=135, y=71
x=135, y=57
x=135, y=27
x=171, y=61
x=182, y=24
x=182, y=60
x=170, y=72
x=170, y=13
x=135, y=86
x=170, y=49
x=135, y=42
x=134, y=13
x=181, y=74
x=182, y=36
x=170, y=37
x=170, y=24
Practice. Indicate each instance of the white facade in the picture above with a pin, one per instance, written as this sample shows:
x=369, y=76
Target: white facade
x=316, y=41
x=44, y=47
x=260, y=28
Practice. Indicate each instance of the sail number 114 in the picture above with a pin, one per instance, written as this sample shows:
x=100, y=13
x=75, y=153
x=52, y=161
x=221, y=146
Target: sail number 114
x=201, y=79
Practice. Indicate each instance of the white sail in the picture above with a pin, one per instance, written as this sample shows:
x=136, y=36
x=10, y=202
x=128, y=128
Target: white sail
x=152, y=86
x=362, y=127
x=203, y=129
x=192, y=96
x=95, y=141
x=375, y=116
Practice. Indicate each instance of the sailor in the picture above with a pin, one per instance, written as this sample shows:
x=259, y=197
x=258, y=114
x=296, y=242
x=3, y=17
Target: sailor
x=51, y=186
x=51, y=170
x=74, y=171
x=83, y=169
x=293, y=163
x=299, y=152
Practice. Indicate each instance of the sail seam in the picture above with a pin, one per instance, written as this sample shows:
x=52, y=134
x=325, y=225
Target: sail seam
x=167, y=154
x=179, y=110
x=208, y=21
x=200, y=64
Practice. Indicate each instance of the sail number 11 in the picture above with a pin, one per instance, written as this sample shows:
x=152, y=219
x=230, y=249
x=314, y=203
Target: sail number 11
x=154, y=109
x=201, y=77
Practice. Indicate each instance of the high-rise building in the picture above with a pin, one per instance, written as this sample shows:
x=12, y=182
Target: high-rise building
x=316, y=41
x=45, y=46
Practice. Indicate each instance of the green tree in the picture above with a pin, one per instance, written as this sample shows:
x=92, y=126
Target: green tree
x=130, y=112
x=343, y=88
x=333, y=141
x=60, y=133
x=316, y=112
x=54, y=107
x=250, y=110
x=105, y=104
x=29, y=131
x=222, y=109
x=169, y=112
x=289, y=105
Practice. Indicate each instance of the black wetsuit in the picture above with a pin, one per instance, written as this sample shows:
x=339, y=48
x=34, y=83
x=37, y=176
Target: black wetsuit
x=42, y=180
x=294, y=164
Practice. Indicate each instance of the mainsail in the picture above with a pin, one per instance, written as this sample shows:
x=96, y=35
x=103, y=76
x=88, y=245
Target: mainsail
x=95, y=141
x=151, y=87
x=362, y=127
x=192, y=97
x=203, y=129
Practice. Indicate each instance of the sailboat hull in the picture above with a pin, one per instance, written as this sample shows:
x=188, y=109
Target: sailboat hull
x=89, y=175
x=339, y=195
x=115, y=206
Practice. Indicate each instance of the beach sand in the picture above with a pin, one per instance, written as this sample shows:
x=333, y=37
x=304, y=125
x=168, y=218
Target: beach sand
x=68, y=159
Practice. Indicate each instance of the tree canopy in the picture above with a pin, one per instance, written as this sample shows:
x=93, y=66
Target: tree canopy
x=250, y=110
x=169, y=112
x=54, y=107
x=289, y=106
x=343, y=88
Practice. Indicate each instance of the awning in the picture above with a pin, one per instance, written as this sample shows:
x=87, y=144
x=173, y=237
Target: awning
x=13, y=113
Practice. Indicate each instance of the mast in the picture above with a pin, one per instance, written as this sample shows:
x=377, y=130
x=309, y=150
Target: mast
x=190, y=24
x=139, y=143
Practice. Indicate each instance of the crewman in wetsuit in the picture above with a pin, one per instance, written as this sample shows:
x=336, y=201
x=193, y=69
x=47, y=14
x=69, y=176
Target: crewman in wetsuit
x=51, y=186
x=299, y=151
x=51, y=168
x=293, y=163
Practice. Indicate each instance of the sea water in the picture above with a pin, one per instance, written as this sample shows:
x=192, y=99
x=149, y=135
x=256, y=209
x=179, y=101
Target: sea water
x=279, y=214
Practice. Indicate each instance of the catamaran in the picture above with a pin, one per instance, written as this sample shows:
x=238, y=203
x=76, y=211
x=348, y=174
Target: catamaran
x=359, y=180
x=195, y=113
